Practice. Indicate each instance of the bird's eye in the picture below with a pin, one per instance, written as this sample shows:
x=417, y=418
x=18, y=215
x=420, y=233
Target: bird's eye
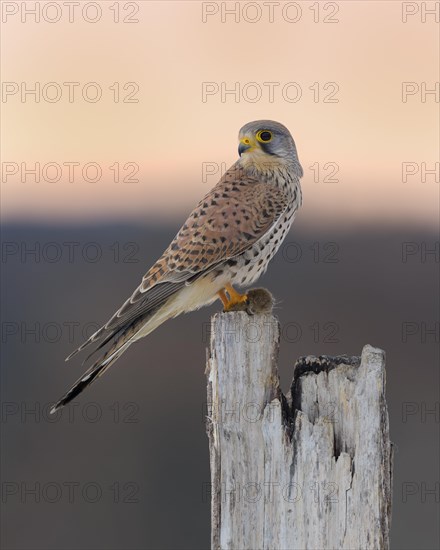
x=264, y=136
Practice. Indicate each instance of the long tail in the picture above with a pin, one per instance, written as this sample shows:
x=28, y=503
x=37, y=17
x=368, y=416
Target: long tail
x=94, y=372
x=125, y=333
x=121, y=342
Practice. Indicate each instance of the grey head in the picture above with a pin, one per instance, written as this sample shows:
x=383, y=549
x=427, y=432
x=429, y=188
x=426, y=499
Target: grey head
x=268, y=138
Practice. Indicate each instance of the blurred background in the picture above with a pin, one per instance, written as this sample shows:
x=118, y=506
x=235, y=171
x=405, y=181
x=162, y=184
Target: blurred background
x=117, y=117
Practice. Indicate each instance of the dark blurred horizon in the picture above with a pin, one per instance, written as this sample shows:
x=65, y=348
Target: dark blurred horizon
x=126, y=466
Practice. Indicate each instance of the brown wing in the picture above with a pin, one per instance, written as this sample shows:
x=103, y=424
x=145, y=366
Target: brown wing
x=234, y=215
x=229, y=220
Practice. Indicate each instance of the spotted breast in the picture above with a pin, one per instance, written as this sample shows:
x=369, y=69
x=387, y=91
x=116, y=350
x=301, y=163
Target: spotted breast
x=246, y=268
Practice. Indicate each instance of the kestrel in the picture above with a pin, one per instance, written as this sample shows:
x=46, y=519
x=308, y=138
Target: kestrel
x=229, y=238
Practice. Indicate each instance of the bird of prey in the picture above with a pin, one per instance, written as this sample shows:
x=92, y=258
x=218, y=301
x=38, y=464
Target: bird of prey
x=229, y=238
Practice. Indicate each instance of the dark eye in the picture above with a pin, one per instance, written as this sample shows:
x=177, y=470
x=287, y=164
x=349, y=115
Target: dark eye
x=264, y=136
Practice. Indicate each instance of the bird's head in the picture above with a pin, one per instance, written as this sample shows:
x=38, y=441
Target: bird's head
x=265, y=143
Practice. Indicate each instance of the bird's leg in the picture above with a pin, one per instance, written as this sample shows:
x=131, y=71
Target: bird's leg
x=234, y=297
x=222, y=295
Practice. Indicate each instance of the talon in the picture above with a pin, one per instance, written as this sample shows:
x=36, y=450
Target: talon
x=234, y=299
x=233, y=303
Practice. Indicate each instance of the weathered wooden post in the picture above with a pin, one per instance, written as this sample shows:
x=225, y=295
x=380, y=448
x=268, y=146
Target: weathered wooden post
x=308, y=471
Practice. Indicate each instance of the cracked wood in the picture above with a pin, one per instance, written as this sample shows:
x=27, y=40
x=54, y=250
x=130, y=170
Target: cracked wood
x=311, y=470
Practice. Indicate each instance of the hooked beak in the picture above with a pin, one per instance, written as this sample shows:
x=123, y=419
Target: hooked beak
x=245, y=145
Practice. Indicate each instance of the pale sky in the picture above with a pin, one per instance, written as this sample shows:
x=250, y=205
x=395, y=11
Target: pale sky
x=337, y=71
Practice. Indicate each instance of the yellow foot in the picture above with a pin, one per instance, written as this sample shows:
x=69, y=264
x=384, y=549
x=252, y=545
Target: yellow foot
x=234, y=299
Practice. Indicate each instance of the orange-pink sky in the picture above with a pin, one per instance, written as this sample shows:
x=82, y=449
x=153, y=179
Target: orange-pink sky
x=337, y=72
